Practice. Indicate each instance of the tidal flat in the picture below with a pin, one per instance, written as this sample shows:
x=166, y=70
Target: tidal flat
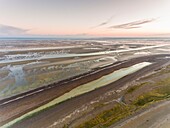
x=100, y=79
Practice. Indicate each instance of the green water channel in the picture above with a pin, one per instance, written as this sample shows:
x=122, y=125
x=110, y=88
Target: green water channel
x=103, y=81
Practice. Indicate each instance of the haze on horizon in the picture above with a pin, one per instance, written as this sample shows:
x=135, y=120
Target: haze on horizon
x=85, y=18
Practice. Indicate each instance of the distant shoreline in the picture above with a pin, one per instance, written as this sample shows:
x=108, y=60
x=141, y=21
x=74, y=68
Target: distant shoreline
x=82, y=38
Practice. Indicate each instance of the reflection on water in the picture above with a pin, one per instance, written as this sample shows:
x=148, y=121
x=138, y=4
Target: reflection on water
x=46, y=55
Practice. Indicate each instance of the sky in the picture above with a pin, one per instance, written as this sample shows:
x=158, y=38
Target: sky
x=85, y=18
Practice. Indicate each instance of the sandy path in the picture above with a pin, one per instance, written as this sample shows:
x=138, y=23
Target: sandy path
x=157, y=116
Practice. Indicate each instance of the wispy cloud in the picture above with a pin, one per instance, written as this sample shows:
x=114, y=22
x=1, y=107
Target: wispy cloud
x=6, y=30
x=160, y=34
x=133, y=25
x=103, y=23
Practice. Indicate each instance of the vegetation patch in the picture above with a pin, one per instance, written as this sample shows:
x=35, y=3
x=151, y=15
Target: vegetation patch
x=161, y=91
x=108, y=117
x=133, y=88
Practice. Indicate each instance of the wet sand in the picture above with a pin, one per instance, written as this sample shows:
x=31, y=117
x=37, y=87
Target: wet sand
x=16, y=106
